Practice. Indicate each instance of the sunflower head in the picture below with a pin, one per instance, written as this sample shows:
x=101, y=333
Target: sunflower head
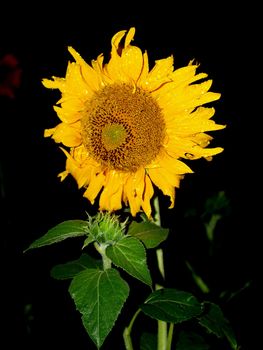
x=127, y=128
x=123, y=127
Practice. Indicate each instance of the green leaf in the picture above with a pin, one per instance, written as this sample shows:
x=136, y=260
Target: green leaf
x=64, y=230
x=149, y=233
x=72, y=268
x=191, y=341
x=211, y=225
x=148, y=341
x=99, y=296
x=129, y=254
x=198, y=280
x=171, y=305
x=87, y=241
x=215, y=322
x=217, y=203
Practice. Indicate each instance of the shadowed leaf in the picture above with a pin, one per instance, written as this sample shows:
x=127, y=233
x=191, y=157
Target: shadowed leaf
x=72, y=268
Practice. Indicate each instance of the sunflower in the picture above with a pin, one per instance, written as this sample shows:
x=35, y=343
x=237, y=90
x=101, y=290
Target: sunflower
x=127, y=128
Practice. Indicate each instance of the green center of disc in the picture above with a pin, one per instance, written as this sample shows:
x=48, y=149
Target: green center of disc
x=113, y=136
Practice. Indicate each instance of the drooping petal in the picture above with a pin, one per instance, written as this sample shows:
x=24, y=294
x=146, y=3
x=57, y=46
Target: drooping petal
x=72, y=166
x=168, y=189
x=111, y=195
x=95, y=185
x=134, y=189
x=147, y=195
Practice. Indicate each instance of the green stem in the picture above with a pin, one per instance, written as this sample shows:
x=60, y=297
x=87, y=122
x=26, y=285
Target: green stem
x=170, y=336
x=157, y=215
x=162, y=335
x=162, y=326
x=106, y=262
x=127, y=339
x=159, y=254
x=162, y=330
x=101, y=248
x=127, y=332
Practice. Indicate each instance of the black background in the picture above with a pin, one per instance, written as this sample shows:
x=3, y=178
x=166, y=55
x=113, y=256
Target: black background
x=225, y=41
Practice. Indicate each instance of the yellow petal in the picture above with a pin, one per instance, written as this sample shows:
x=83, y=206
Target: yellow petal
x=72, y=107
x=112, y=68
x=159, y=75
x=134, y=188
x=126, y=63
x=144, y=71
x=89, y=75
x=98, y=66
x=111, y=195
x=49, y=132
x=63, y=175
x=68, y=115
x=129, y=37
x=72, y=166
x=202, y=139
x=95, y=185
x=193, y=123
x=148, y=193
x=115, y=41
x=156, y=175
x=131, y=63
x=84, y=174
x=76, y=85
x=81, y=171
x=174, y=165
x=186, y=75
x=56, y=83
x=67, y=134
